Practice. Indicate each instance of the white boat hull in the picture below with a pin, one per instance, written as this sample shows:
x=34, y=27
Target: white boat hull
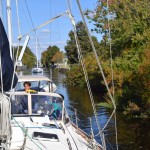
x=68, y=136
x=37, y=70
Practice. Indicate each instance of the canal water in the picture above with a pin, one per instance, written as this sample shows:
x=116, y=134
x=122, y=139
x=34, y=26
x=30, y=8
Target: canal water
x=132, y=135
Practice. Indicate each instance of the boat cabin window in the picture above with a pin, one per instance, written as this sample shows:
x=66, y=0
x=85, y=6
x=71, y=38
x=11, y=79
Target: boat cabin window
x=43, y=83
x=35, y=85
x=20, y=86
x=39, y=105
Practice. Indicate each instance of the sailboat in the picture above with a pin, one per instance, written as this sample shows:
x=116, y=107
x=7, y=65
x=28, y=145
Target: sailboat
x=39, y=120
x=37, y=69
x=35, y=120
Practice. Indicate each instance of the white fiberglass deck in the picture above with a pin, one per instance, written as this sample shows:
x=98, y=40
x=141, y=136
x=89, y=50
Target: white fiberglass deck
x=39, y=128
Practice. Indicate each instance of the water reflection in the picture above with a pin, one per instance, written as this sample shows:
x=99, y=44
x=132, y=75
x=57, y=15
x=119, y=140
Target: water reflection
x=132, y=135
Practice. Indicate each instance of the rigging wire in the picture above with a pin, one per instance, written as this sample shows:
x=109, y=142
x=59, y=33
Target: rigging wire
x=15, y=58
x=18, y=20
x=45, y=23
x=71, y=107
x=26, y=133
x=100, y=67
x=97, y=59
x=32, y=25
x=50, y=26
x=112, y=73
x=109, y=143
x=74, y=139
x=85, y=74
x=57, y=21
x=110, y=48
x=15, y=67
x=29, y=25
x=80, y=52
x=71, y=137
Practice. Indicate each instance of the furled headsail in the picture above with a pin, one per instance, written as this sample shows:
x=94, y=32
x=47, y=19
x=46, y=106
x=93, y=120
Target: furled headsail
x=7, y=64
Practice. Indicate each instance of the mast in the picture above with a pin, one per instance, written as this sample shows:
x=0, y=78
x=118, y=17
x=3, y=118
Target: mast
x=36, y=54
x=9, y=25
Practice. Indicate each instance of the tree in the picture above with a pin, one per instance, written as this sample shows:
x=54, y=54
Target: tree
x=43, y=58
x=58, y=57
x=28, y=58
x=71, y=49
x=129, y=23
x=130, y=37
x=48, y=55
x=75, y=75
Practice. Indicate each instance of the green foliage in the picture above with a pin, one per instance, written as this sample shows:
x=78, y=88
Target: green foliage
x=125, y=68
x=71, y=49
x=106, y=104
x=58, y=57
x=129, y=23
x=75, y=75
x=143, y=75
x=131, y=79
x=28, y=59
x=48, y=54
x=132, y=109
x=130, y=38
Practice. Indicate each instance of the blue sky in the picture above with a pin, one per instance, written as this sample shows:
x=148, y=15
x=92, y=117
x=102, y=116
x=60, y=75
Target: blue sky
x=55, y=33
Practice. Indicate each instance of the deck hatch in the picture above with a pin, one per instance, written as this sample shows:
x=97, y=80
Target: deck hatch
x=49, y=125
x=45, y=136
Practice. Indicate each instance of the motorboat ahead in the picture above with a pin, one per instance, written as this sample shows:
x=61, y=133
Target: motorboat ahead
x=38, y=82
x=37, y=70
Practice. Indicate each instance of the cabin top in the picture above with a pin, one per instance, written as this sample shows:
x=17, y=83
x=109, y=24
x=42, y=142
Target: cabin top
x=33, y=78
x=40, y=103
x=38, y=93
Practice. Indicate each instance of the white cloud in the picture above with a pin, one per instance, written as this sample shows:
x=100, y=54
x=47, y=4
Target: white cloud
x=45, y=31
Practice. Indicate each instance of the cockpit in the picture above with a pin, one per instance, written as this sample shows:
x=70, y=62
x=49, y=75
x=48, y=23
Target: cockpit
x=50, y=104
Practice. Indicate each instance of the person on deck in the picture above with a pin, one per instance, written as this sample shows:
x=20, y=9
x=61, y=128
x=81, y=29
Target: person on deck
x=56, y=110
x=27, y=85
x=24, y=98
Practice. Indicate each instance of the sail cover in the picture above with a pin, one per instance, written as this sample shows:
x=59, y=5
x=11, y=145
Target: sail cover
x=7, y=65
